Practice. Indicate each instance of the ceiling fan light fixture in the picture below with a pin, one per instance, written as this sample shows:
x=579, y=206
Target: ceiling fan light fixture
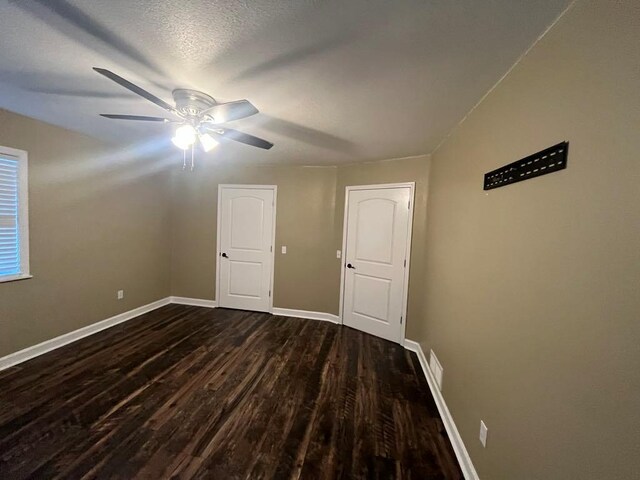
x=208, y=142
x=185, y=137
x=194, y=109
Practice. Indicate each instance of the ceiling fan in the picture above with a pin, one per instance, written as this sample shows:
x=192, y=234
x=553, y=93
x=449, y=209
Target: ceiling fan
x=200, y=117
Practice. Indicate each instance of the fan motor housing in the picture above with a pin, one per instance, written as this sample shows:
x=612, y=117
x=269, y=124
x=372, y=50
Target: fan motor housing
x=192, y=103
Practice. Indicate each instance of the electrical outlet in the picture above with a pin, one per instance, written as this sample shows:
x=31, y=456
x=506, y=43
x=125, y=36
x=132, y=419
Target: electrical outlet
x=483, y=434
x=284, y=249
x=120, y=294
x=338, y=254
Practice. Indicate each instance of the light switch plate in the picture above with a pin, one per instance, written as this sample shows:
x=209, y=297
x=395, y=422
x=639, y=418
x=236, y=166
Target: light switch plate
x=284, y=249
x=338, y=254
x=120, y=294
x=483, y=434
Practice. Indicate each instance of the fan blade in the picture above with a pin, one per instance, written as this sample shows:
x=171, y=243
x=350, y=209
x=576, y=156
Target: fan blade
x=226, y=112
x=136, y=117
x=231, y=134
x=135, y=89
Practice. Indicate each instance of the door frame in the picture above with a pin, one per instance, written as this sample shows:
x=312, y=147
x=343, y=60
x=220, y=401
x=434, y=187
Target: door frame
x=221, y=187
x=405, y=287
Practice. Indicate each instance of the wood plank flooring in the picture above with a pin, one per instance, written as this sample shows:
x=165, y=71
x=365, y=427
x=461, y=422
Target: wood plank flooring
x=190, y=392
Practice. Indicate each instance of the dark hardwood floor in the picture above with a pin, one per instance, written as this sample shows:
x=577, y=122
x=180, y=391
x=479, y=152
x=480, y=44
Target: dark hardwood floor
x=189, y=392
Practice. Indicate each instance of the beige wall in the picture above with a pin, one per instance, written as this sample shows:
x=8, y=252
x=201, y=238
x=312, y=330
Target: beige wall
x=105, y=218
x=98, y=223
x=527, y=294
x=309, y=222
x=414, y=169
x=532, y=302
x=305, y=278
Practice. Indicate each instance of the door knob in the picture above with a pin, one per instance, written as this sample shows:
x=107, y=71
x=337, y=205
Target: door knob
x=224, y=255
x=350, y=266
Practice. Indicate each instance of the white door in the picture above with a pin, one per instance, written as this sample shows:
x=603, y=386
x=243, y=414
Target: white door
x=377, y=234
x=245, y=256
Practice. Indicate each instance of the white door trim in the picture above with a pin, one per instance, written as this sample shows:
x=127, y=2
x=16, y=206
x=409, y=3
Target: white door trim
x=405, y=289
x=273, y=237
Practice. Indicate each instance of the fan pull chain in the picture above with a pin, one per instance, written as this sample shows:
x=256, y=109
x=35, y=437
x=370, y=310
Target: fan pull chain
x=184, y=159
x=192, y=164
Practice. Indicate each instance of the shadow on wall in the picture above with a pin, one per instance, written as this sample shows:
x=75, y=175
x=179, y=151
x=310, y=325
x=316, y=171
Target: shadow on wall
x=307, y=135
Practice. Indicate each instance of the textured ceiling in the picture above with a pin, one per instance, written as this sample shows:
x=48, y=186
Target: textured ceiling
x=335, y=81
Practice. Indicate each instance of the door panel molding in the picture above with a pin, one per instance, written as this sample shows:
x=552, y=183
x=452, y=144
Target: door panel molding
x=405, y=297
x=221, y=188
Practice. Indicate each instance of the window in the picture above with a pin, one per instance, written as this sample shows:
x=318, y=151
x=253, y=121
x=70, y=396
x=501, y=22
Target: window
x=14, y=215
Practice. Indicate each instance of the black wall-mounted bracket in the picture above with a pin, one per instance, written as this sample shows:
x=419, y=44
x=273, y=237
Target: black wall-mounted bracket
x=546, y=161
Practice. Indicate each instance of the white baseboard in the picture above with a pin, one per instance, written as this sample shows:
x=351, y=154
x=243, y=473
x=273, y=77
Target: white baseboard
x=195, y=302
x=460, y=450
x=288, y=312
x=57, y=342
x=30, y=352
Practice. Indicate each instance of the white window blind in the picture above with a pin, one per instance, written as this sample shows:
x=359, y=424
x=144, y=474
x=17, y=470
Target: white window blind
x=14, y=215
x=9, y=220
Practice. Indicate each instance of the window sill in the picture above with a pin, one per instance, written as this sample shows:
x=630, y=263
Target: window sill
x=15, y=278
